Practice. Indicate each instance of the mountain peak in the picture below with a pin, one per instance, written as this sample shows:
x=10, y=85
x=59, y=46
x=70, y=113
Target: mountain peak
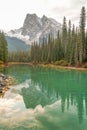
x=35, y=28
x=31, y=15
x=30, y=18
x=44, y=17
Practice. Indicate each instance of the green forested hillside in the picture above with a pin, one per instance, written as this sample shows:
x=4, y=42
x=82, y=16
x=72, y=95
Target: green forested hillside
x=15, y=44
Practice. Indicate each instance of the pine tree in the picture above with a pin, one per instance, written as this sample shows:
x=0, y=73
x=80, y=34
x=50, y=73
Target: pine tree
x=69, y=43
x=86, y=47
x=49, y=48
x=82, y=33
x=64, y=36
x=73, y=42
x=76, y=50
x=58, y=48
x=43, y=51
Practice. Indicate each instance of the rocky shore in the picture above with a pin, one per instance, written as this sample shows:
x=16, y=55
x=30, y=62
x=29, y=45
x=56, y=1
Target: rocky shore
x=5, y=82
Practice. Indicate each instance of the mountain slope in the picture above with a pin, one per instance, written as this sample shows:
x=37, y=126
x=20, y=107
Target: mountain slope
x=15, y=44
x=35, y=28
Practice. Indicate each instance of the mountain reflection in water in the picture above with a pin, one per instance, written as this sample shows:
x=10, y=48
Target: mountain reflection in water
x=46, y=99
x=41, y=95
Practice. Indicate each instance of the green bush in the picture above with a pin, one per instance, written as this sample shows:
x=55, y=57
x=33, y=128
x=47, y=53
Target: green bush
x=1, y=62
x=61, y=62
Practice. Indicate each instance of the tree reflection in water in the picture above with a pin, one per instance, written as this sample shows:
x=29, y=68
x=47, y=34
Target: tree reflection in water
x=48, y=86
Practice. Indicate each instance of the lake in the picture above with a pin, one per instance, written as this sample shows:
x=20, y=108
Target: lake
x=44, y=99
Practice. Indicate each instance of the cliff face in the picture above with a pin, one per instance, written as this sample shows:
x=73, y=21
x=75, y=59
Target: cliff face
x=35, y=28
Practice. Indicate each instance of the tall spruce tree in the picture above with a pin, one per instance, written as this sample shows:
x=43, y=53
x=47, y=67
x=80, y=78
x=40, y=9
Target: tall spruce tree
x=49, y=48
x=64, y=36
x=86, y=47
x=77, y=46
x=82, y=33
x=69, y=44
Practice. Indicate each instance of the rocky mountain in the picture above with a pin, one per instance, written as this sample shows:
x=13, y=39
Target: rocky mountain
x=35, y=28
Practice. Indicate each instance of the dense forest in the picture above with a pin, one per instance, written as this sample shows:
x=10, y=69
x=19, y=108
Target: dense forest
x=3, y=49
x=19, y=56
x=68, y=48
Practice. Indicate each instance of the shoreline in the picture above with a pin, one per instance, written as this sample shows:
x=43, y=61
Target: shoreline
x=48, y=65
x=63, y=67
x=5, y=82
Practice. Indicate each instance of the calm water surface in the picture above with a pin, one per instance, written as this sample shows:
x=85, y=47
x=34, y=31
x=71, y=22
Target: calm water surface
x=44, y=99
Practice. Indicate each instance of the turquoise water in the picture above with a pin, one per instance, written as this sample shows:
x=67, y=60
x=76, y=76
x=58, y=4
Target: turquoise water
x=44, y=99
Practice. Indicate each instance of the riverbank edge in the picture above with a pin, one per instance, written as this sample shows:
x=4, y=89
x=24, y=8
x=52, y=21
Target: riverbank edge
x=3, y=65
x=8, y=82
x=48, y=66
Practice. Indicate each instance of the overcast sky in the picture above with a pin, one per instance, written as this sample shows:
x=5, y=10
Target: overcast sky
x=13, y=12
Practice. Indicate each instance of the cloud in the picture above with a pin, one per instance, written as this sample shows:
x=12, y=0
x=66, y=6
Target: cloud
x=78, y=2
x=13, y=12
x=70, y=11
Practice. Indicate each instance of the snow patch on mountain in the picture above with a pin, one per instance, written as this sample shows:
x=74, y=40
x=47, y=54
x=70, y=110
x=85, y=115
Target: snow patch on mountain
x=35, y=28
x=18, y=35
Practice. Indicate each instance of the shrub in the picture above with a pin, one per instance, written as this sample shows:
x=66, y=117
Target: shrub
x=1, y=62
x=61, y=62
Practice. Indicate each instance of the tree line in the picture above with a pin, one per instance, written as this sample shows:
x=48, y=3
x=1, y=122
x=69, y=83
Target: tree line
x=70, y=45
x=19, y=56
x=3, y=48
x=68, y=48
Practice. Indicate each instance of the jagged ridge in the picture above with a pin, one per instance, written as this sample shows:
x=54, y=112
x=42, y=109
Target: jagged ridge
x=35, y=28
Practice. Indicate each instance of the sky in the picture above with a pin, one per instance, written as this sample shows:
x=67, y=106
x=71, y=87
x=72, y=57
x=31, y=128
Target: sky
x=13, y=12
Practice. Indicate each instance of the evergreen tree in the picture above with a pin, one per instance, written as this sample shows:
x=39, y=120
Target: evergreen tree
x=77, y=44
x=82, y=33
x=86, y=47
x=49, y=48
x=43, y=51
x=3, y=48
x=64, y=37
x=74, y=46
x=69, y=43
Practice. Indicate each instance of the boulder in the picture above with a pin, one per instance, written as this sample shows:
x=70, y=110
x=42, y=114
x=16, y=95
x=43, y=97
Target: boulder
x=4, y=83
x=1, y=79
x=2, y=75
x=1, y=89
